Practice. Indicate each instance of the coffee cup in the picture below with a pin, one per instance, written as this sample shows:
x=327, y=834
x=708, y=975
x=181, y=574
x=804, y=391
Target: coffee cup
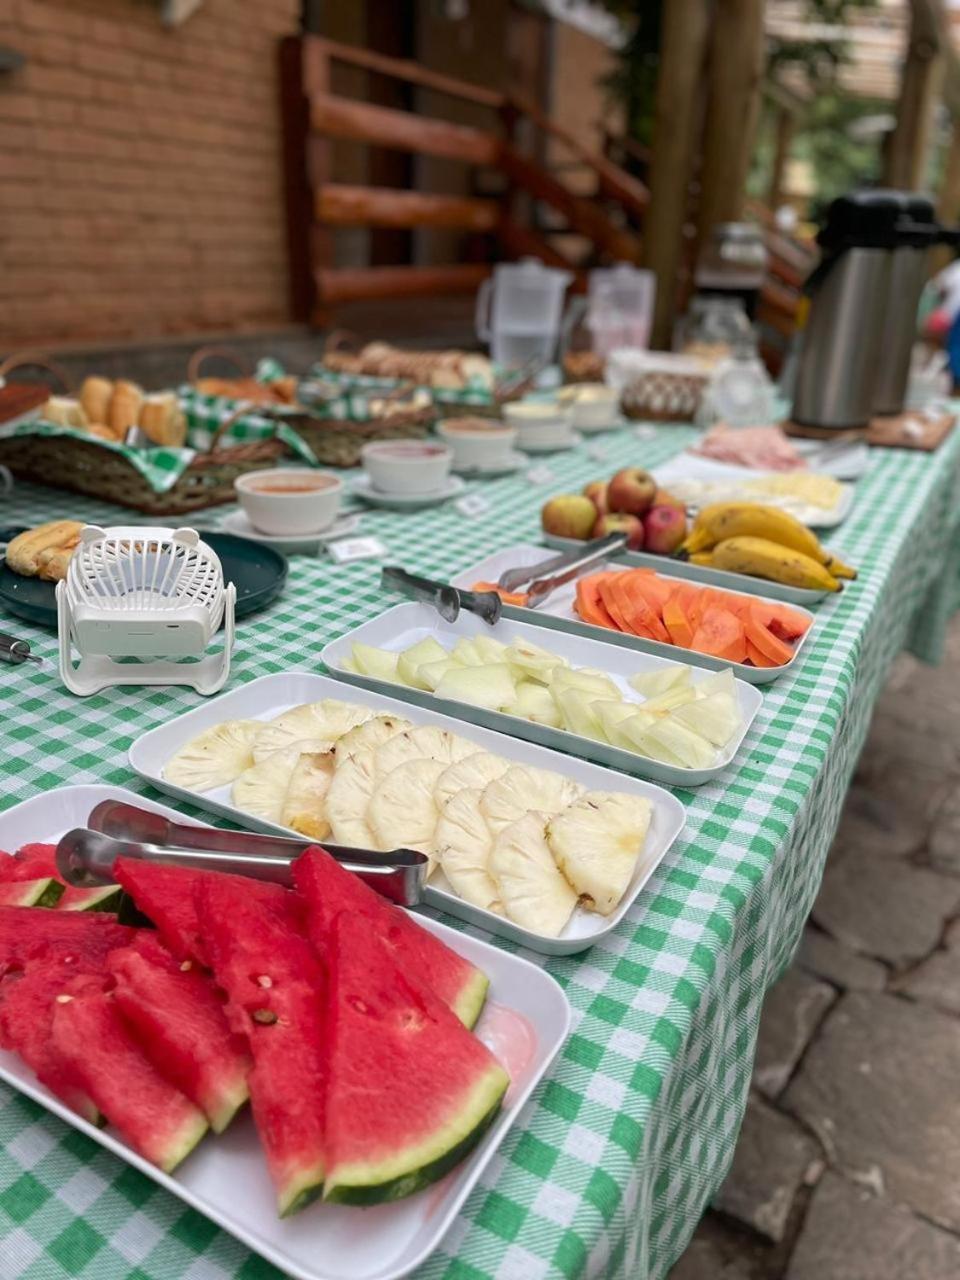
x=289, y=500
x=407, y=467
x=591, y=404
x=540, y=424
x=478, y=442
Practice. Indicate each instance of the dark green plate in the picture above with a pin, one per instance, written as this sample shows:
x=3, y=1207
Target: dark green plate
x=258, y=572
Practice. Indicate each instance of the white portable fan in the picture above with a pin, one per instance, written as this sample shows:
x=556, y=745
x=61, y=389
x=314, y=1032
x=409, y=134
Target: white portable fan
x=152, y=594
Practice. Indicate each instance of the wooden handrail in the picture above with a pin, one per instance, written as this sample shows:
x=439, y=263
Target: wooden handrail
x=400, y=69
x=387, y=127
x=350, y=284
x=350, y=206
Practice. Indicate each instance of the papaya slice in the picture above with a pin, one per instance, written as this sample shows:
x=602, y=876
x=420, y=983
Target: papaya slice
x=589, y=604
x=677, y=623
x=613, y=602
x=654, y=589
x=643, y=616
x=518, y=598
x=758, y=658
x=720, y=633
x=763, y=639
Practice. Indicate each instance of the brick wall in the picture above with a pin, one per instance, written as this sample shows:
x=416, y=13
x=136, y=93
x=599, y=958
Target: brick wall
x=141, y=188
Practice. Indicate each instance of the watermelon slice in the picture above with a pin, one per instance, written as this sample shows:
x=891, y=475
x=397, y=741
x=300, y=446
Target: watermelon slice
x=25, y=936
x=328, y=890
x=273, y=983
x=27, y=1003
x=152, y=1115
x=178, y=1020
x=165, y=895
x=41, y=859
x=409, y=1090
x=33, y=892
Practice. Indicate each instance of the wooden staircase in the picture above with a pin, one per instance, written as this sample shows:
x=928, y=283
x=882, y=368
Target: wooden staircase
x=607, y=222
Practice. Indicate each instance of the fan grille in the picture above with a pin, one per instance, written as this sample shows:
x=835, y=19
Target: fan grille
x=144, y=571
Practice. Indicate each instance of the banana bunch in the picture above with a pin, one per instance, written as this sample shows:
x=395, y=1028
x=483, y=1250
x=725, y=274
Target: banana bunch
x=763, y=542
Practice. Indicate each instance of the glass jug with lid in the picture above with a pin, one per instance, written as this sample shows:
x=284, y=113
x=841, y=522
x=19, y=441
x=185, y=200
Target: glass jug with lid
x=519, y=312
x=620, y=307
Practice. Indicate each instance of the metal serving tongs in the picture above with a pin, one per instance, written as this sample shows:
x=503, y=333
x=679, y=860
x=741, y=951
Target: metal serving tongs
x=581, y=558
x=447, y=600
x=85, y=856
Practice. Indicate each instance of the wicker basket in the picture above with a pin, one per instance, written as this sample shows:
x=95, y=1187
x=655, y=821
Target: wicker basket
x=658, y=386
x=88, y=467
x=337, y=442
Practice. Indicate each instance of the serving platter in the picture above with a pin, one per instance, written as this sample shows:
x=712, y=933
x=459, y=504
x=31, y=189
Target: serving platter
x=525, y=1021
x=269, y=696
x=690, y=467
x=406, y=624
x=722, y=578
x=557, y=613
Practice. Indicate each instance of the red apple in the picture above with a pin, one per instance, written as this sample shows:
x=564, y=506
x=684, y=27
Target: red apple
x=664, y=529
x=631, y=491
x=569, y=515
x=664, y=498
x=632, y=526
x=596, y=491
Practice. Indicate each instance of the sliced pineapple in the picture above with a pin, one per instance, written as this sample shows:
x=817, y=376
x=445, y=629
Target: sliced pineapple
x=474, y=771
x=402, y=812
x=597, y=842
x=423, y=742
x=463, y=843
x=316, y=722
x=215, y=757
x=305, y=804
x=532, y=889
x=372, y=733
x=262, y=789
x=352, y=786
x=524, y=788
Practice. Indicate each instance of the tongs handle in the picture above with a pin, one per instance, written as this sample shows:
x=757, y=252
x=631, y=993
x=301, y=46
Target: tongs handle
x=579, y=562
x=447, y=600
x=511, y=579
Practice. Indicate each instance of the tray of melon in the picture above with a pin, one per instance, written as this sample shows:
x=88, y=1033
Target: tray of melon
x=638, y=608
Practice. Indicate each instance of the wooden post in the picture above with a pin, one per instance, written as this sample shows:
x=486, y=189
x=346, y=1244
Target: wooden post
x=786, y=123
x=307, y=248
x=736, y=71
x=677, y=115
x=907, y=156
x=948, y=200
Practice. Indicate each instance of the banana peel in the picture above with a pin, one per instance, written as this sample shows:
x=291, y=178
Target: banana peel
x=761, y=558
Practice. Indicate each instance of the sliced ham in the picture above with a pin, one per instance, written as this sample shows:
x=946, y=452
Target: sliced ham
x=760, y=448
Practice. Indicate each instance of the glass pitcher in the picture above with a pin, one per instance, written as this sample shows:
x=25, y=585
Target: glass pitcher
x=519, y=312
x=620, y=307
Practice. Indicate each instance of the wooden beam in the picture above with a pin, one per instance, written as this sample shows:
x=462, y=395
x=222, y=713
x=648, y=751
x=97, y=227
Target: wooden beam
x=908, y=153
x=736, y=76
x=948, y=198
x=786, y=125
x=521, y=241
x=294, y=115
x=385, y=127
x=349, y=206
x=677, y=112
x=352, y=284
x=315, y=47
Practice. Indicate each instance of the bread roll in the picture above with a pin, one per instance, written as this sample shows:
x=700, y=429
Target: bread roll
x=25, y=553
x=95, y=397
x=52, y=564
x=102, y=433
x=162, y=420
x=64, y=411
x=124, y=407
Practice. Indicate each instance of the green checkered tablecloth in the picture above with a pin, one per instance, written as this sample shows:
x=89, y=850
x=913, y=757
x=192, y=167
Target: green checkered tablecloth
x=621, y=1147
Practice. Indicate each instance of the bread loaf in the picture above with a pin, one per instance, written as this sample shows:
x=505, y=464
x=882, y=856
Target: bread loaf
x=162, y=420
x=64, y=411
x=124, y=409
x=34, y=551
x=95, y=397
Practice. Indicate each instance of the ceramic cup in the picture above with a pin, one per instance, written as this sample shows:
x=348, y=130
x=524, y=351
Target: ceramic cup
x=477, y=442
x=289, y=500
x=407, y=467
x=591, y=404
x=540, y=424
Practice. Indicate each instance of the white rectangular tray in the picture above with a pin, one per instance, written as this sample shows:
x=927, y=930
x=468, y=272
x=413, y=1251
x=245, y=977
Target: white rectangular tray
x=406, y=624
x=688, y=466
x=558, y=614
x=525, y=1022
x=702, y=573
x=270, y=695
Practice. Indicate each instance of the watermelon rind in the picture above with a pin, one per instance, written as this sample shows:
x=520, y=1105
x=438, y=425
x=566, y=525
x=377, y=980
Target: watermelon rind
x=44, y=892
x=413, y=1168
x=300, y=1189
x=106, y=898
x=469, y=1003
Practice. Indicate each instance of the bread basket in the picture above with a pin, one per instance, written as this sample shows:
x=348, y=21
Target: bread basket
x=657, y=386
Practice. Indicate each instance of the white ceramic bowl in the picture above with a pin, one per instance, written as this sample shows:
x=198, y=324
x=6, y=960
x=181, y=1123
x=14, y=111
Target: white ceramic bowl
x=540, y=424
x=591, y=404
x=477, y=442
x=407, y=466
x=289, y=500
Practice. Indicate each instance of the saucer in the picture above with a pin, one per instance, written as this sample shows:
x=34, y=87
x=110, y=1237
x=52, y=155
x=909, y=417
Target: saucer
x=541, y=446
x=306, y=544
x=363, y=489
x=504, y=467
x=612, y=424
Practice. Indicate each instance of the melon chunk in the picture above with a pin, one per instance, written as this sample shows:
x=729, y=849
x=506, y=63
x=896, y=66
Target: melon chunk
x=489, y=686
x=409, y=1090
x=379, y=663
x=428, y=650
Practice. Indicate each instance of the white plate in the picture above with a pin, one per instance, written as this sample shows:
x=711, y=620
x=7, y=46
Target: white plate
x=363, y=489
x=270, y=695
x=843, y=463
x=226, y=1177
x=741, y=582
x=512, y=462
x=541, y=446
x=614, y=424
x=291, y=543
x=557, y=613
x=406, y=624
x=687, y=466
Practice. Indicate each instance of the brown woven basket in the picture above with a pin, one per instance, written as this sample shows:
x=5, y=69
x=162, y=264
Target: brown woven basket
x=337, y=442
x=86, y=466
x=663, y=397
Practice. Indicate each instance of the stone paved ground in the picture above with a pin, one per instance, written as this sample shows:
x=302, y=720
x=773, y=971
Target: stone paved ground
x=848, y=1164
